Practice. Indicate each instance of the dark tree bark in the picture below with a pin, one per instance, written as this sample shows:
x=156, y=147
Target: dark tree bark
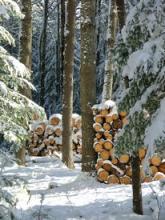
x=136, y=185
x=62, y=45
x=25, y=57
x=43, y=53
x=121, y=13
x=88, y=82
x=98, y=11
x=58, y=55
x=26, y=34
x=67, y=151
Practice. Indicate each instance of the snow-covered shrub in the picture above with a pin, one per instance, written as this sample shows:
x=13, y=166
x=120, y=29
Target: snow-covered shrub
x=143, y=43
x=15, y=109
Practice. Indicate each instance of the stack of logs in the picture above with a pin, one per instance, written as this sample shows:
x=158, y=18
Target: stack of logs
x=111, y=169
x=46, y=136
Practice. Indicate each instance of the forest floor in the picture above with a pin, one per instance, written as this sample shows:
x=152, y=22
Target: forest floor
x=53, y=192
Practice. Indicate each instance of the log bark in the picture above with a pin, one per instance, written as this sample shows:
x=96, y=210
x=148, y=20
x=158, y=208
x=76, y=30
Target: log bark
x=161, y=168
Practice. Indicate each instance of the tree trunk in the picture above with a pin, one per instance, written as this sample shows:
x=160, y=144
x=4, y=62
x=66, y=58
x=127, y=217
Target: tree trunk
x=26, y=34
x=111, y=35
x=26, y=41
x=67, y=155
x=136, y=185
x=20, y=155
x=43, y=53
x=88, y=82
x=98, y=25
x=121, y=13
x=25, y=57
x=58, y=56
x=62, y=45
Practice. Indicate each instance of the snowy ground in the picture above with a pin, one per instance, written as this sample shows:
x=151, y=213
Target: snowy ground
x=55, y=193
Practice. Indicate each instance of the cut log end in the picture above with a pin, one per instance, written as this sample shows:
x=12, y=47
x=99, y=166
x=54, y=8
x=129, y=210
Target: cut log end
x=112, y=179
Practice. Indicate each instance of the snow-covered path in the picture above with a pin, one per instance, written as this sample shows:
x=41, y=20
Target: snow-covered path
x=55, y=193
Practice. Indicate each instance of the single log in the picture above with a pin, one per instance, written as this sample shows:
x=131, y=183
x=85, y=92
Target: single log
x=99, y=119
x=114, y=160
x=129, y=171
x=153, y=170
x=100, y=161
x=108, y=144
x=115, y=117
x=76, y=121
x=51, y=140
x=108, y=135
x=49, y=130
x=97, y=127
x=102, y=174
x=125, y=121
x=142, y=152
x=101, y=141
x=112, y=179
x=116, y=170
x=55, y=119
x=117, y=124
x=124, y=158
x=46, y=141
x=104, y=112
x=107, y=126
x=98, y=147
x=58, y=131
x=109, y=118
x=107, y=165
x=159, y=176
x=39, y=130
x=147, y=179
x=161, y=167
x=155, y=160
x=125, y=180
x=98, y=135
x=123, y=114
x=104, y=155
x=44, y=124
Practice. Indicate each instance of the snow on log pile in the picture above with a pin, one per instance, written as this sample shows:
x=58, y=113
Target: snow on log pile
x=46, y=136
x=110, y=168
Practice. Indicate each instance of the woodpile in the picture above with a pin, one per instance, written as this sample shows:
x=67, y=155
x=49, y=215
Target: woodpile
x=110, y=169
x=46, y=136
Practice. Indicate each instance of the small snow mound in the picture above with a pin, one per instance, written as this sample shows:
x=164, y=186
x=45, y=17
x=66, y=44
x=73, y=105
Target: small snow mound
x=59, y=116
x=109, y=104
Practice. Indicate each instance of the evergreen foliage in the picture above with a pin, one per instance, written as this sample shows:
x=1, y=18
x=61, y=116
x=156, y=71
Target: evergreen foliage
x=141, y=47
x=15, y=109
